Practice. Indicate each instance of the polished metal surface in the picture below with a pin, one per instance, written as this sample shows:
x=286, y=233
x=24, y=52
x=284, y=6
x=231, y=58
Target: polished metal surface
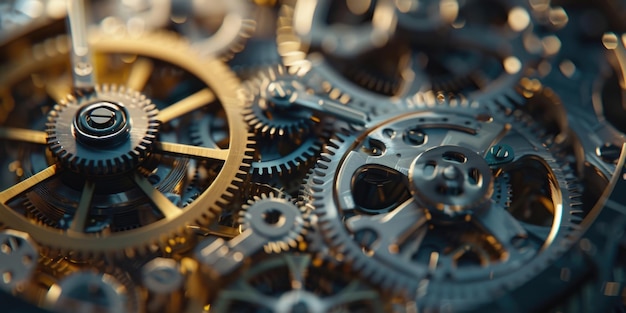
x=312, y=156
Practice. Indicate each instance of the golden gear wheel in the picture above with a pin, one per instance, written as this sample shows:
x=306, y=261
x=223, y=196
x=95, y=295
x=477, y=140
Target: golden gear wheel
x=167, y=48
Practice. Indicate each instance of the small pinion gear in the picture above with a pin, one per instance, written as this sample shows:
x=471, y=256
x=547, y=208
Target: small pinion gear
x=277, y=219
x=105, y=132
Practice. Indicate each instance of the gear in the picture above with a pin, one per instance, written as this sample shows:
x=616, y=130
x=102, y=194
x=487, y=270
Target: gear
x=402, y=238
x=95, y=291
x=265, y=112
x=107, y=132
x=275, y=218
x=459, y=57
x=277, y=163
x=77, y=237
x=290, y=283
x=18, y=258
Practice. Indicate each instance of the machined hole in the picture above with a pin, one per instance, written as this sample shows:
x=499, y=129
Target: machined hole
x=274, y=217
x=429, y=168
x=455, y=157
x=378, y=189
x=474, y=177
x=7, y=277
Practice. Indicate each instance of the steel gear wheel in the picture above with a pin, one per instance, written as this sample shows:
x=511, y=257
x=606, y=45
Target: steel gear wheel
x=216, y=84
x=277, y=163
x=93, y=134
x=95, y=291
x=265, y=112
x=275, y=218
x=404, y=242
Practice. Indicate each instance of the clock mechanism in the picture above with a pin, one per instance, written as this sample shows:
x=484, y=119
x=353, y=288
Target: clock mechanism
x=312, y=156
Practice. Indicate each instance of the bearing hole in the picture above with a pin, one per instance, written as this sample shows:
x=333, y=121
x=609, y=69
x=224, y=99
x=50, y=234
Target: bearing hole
x=274, y=217
x=27, y=260
x=429, y=168
x=474, y=177
x=7, y=277
x=6, y=248
x=454, y=157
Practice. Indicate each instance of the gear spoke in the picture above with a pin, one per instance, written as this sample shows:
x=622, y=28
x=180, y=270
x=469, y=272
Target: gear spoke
x=500, y=224
x=192, y=151
x=82, y=211
x=395, y=225
x=159, y=200
x=249, y=294
x=28, y=183
x=317, y=104
x=23, y=135
x=297, y=270
x=57, y=90
x=184, y=106
x=349, y=294
x=489, y=134
x=539, y=232
x=139, y=74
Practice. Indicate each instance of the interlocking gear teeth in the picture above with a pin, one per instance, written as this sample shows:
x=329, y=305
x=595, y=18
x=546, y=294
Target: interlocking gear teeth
x=155, y=234
x=321, y=195
x=63, y=133
x=268, y=211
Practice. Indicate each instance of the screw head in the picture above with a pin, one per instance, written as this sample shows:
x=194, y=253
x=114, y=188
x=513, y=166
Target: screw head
x=500, y=154
x=415, y=136
x=101, y=117
x=102, y=123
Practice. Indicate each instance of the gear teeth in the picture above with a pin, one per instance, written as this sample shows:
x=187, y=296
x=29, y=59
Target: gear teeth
x=154, y=236
x=259, y=112
x=292, y=237
x=61, y=141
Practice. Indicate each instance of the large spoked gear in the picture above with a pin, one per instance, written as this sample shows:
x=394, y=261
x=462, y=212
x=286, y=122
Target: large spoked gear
x=93, y=134
x=411, y=202
x=90, y=208
x=293, y=283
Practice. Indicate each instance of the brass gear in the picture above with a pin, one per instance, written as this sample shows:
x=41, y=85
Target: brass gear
x=235, y=158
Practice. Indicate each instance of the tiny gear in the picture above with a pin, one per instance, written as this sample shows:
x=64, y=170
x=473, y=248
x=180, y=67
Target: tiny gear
x=277, y=219
x=106, y=132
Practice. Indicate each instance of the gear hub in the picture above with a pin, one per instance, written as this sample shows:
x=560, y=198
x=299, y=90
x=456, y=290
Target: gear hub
x=451, y=181
x=107, y=132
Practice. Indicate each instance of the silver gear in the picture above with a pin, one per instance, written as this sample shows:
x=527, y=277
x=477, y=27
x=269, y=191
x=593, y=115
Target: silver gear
x=95, y=291
x=261, y=111
x=275, y=163
x=370, y=237
x=275, y=218
x=290, y=283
